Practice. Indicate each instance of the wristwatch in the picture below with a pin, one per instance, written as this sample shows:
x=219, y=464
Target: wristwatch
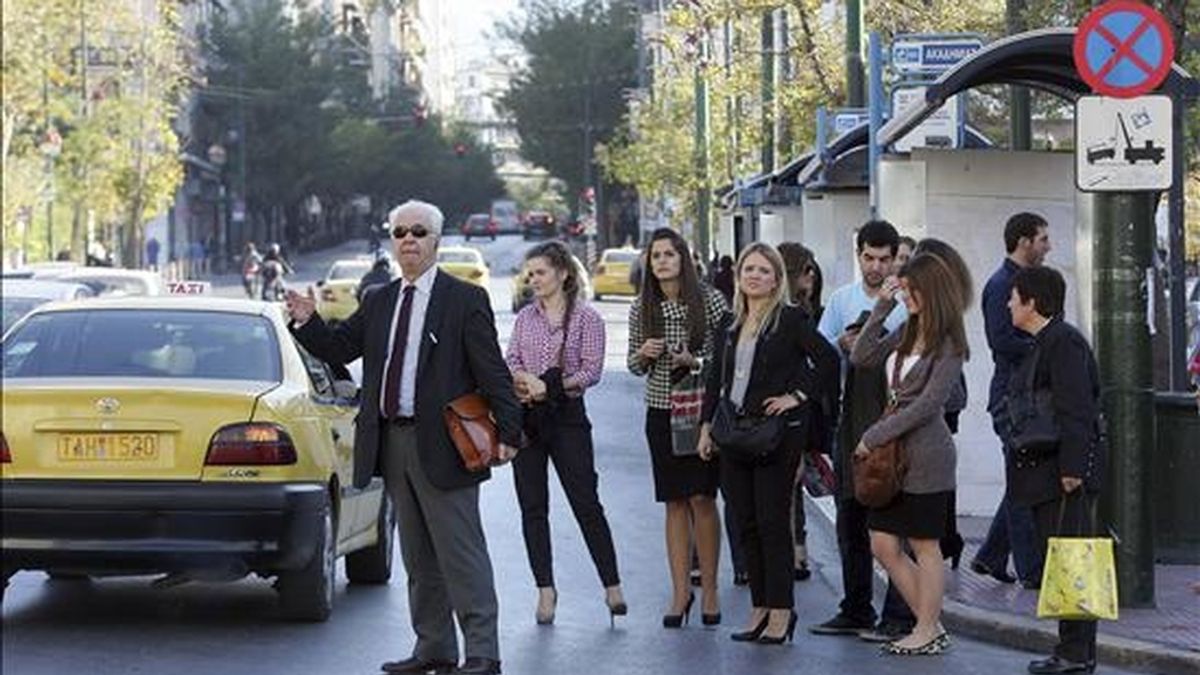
x=800, y=396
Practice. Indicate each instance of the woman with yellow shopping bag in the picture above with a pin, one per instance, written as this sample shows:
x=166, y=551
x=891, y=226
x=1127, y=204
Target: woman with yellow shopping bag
x=1057, y=463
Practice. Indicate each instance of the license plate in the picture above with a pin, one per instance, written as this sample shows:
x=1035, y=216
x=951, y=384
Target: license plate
x=108, y=447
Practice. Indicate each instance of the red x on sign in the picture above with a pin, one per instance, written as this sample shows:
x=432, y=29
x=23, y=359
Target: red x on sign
x=1124, y=49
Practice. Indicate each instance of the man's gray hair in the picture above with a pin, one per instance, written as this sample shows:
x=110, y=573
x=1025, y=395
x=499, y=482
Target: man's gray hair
x=428, y=214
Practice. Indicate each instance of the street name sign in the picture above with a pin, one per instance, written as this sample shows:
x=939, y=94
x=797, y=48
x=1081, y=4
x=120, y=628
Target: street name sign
x=846, y=119
x=1123, y=49
x=939, y=130
x=1123, y=144
x=931, y=54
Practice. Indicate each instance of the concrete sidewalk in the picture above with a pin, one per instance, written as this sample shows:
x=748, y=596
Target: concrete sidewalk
x=1165, y=639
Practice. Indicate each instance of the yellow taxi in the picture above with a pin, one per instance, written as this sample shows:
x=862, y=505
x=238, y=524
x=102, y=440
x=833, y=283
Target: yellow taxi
x=188, y=436
x=522, y=294
x=612, y=272
x=337, y=293
x=465, y=263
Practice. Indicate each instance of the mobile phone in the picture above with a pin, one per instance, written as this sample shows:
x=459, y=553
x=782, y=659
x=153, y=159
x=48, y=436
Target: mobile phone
x=859, y=322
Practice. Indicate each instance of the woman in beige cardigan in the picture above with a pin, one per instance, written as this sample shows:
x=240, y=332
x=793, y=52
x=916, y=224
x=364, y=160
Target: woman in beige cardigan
x=923, y=363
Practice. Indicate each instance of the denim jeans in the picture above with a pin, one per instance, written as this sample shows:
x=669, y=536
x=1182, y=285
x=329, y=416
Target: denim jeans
x=1012, y=530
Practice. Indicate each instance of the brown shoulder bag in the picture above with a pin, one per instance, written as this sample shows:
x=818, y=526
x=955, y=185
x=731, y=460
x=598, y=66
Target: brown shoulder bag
x=879, y=476
x=473, y=431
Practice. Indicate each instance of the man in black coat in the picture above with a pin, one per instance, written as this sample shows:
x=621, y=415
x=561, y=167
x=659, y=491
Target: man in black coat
x=1061, y=483
x=425, y=340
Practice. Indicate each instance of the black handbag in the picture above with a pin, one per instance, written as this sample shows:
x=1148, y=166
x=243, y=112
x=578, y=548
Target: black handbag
x=1033, y=425
x=744, y=437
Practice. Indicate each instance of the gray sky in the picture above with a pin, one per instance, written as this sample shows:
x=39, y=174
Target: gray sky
x=472, y=19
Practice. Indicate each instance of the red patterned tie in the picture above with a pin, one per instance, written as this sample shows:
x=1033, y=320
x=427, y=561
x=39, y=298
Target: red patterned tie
x=391, y=383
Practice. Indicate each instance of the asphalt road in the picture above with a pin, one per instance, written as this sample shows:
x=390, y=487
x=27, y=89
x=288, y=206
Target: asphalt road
x=118, y=626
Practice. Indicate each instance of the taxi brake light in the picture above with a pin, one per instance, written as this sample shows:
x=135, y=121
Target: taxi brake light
x=327, y=295
x=5, y=456
x=253, y=443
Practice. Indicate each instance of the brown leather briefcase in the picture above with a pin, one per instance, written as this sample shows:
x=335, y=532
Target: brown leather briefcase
x=473, y=430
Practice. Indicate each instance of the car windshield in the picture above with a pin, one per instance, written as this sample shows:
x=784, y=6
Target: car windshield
x=620, y=256
x=349, y=270
x=469, y=257
x=15, y=308
x=478, y=220
x=143, y=343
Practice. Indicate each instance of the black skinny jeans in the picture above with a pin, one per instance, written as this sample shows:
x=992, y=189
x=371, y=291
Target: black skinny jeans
x=760, y=495
x=1076, y=639
x=566, y=439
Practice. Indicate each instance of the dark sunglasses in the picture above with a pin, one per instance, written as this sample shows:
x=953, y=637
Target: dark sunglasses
x=417, y=231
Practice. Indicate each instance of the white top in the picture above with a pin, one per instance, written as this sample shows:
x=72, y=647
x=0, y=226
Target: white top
x=846, y=305
x=905, y=368
x=416, y=324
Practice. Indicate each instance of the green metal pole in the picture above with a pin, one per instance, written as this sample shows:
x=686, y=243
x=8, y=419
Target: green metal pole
x=704, y=193
x=769, y=73
x=1122, y=252
x=1020, y=114
x=856, y=87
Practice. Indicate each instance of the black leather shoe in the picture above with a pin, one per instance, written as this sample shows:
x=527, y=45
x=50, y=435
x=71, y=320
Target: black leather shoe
x=415, y=665
x=741, y=579
x=479, y=666
x=1057, y=664
x=999, y=575
x=842, y=625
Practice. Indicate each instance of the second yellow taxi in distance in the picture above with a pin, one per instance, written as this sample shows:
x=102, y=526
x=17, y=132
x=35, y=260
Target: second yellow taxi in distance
x=337, y=294
x=612, y=272
x=185, y=436
x=465, y=263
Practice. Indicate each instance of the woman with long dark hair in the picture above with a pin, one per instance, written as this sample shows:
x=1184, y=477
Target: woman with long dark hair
x=671, y=326
x=556, y=353
x=770, y=362
x=923, y=362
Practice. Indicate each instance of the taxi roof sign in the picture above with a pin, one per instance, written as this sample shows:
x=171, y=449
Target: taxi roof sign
x=189, y=288
x=1124, y=49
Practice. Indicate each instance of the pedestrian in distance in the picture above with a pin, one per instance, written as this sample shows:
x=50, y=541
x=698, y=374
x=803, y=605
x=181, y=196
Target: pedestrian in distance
x=1027, y=241
x=770, y=361
x=380, y=274
x=152, y=249
x=723, y=277
x=426, y=339
x=671, y=330
x=804, y=290
x=923, y=363
x=1060, y=484
x=251, y=266
x=864, y=395
x=904, y=253
x=556, y=353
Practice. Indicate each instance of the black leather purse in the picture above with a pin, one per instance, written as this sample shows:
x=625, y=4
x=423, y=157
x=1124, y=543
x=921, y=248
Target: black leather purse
x=749, y=438
x=1033, y=424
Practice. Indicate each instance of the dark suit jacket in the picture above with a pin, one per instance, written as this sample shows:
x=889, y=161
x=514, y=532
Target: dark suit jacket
x=1063, y=363
x=459, y=354
x=792, y=356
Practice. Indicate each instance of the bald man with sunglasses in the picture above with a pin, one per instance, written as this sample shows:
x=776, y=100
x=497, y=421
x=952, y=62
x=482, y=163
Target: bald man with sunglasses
x=426, y=339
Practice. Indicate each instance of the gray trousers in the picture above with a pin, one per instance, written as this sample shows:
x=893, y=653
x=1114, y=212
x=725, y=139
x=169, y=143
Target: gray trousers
x=445, y=556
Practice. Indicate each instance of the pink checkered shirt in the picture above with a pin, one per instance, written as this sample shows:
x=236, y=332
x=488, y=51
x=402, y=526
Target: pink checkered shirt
x=535, y=344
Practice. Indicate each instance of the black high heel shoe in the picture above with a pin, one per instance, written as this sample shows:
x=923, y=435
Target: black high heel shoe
x=710, y=619
x=616, y=607
x=677, y=620
x=786, y=637
x=752, y=634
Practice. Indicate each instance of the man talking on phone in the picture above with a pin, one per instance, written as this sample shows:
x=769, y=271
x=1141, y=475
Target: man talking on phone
x=864, y=393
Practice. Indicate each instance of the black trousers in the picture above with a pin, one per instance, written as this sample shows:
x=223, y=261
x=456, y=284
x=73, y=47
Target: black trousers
x=760, y=497
x=858, y=569
x=1076, y=639
x=566, y=439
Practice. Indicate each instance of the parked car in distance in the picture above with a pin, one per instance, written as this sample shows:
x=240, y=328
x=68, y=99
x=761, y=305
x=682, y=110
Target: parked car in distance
x=22, y=296
x=116, y=281
x=538, y=225
x=479, y=225
x=612, y=272
x=465, y=263
x=504, y=214
x=192, y=437
x=522, y=294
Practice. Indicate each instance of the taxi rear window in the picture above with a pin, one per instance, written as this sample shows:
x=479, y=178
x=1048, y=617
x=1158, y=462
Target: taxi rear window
x=620, y=256
x=458, y=257
x=343, y=271
x=142, y=343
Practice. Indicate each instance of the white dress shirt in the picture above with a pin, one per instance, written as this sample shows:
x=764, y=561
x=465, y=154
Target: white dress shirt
x=416, y=327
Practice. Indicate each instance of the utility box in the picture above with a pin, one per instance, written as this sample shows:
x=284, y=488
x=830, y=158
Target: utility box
x=1175, y=467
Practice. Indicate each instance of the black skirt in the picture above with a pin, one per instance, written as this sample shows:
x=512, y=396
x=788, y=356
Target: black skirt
x=676, y=478
x=913, y=516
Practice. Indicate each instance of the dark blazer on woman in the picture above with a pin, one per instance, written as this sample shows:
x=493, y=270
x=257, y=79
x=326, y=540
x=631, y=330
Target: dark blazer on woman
x=776, y=369
x=1064, y=364
x=459, y=355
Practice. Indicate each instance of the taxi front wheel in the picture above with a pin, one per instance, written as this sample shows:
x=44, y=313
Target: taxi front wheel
x=306, y=594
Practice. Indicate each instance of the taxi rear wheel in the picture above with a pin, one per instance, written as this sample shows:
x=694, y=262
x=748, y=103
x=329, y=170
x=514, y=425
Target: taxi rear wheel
x=306, y=594
x=373, y=565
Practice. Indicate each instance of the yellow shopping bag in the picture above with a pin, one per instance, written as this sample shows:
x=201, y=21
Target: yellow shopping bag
x=1079, y=581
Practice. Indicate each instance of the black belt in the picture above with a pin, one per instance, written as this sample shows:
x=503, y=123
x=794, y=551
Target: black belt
x=403, y=421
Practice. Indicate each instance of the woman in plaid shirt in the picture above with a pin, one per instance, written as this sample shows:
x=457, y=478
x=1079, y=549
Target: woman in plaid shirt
x=671, y=328
x=555, y=354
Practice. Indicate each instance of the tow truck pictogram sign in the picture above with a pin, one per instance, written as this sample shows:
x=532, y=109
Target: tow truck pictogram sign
x=1123, y=144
